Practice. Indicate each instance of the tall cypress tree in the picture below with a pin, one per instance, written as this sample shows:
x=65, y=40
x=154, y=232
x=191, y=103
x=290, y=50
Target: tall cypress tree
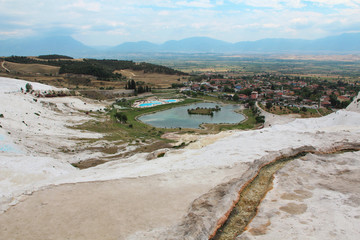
x=133, y=84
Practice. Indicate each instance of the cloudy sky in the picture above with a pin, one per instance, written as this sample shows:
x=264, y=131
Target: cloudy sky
x=111, y=22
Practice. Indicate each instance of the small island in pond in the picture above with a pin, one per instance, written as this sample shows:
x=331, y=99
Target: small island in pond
x=204, y=111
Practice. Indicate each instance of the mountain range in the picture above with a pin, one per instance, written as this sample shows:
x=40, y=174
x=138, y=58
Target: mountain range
x=345, y=43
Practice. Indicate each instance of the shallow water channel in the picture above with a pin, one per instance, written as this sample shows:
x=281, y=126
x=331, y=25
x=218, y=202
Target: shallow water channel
x=252, y=195
x=179, y=117
x=249, y=200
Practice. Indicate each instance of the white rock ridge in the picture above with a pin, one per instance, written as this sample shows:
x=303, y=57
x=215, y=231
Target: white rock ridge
x=14, y=85
x=354, y=106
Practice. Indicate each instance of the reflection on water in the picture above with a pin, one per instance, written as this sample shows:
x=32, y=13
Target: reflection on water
x=179, y=117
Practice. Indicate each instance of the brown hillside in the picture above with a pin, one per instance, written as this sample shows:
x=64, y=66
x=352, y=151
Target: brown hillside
x=156, y=80
x=32, y=68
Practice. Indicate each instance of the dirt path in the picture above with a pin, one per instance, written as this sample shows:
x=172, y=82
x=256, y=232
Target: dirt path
x=273, y=119
x=3, y=66
x=128, y=73
x=317, y=110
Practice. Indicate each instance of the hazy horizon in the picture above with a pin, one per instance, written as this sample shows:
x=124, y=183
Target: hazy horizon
x=109, y=23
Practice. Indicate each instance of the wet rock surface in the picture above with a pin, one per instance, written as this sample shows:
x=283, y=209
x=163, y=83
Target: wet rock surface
x=314, y=197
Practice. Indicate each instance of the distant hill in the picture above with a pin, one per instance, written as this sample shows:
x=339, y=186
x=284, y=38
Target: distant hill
x=130, y=47
x=196, y=44
x=345, y=43
x=348, y=42
x=42, y=46
x=188, y=45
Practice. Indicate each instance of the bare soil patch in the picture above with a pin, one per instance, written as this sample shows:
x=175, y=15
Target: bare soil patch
x=298, y=195
x=294, y=208
x=153, y=79
x=88, y=163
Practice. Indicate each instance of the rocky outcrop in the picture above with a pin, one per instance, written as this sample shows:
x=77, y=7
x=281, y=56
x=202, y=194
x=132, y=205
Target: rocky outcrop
x=156, y=154
x=354, y=106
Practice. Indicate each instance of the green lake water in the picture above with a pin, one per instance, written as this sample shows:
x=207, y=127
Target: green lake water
x=179, y=117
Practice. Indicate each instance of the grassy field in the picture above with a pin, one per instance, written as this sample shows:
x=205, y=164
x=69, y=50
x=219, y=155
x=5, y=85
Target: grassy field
x=136, y=131
x=132, y=129
x=32, y=68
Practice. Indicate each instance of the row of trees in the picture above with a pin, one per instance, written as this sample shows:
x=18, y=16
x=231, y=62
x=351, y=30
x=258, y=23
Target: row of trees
x=103, y=69
x=256, y=112
x=335, y=103
x=138, y=88
x=87, y=69
x=54, y=56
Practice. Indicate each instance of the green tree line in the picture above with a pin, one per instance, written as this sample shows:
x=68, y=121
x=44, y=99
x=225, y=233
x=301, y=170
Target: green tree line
x=103, y=69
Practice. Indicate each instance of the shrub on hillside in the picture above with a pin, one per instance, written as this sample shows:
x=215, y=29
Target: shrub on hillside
x=28, y=87
x=121, y=117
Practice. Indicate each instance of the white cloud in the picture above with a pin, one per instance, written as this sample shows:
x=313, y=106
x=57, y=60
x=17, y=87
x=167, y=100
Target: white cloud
x=296, y=3
x=86, y=5
x=350, y=3
x=115, y=21
x=16, y=33
x=219, y=2
x=197, y=4
x=259, y=3
x=270, y=25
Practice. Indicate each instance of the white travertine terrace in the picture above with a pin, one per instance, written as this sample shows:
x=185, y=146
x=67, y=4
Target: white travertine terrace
x=134, y=198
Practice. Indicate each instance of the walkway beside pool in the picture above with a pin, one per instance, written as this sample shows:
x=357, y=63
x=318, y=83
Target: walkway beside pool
x=153, y=102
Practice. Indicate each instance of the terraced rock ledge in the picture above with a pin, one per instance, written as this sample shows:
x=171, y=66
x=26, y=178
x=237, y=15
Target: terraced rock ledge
x=249, y=200
x=215, y=215
x=254, y=192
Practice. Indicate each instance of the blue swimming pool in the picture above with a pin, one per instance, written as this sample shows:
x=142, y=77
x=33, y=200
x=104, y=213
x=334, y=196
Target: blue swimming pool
x=146, y=105
x=150, y=104
x=153, y=103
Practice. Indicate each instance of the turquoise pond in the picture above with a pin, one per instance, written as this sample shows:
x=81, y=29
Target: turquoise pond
x=179, y=117
x=6, y=146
